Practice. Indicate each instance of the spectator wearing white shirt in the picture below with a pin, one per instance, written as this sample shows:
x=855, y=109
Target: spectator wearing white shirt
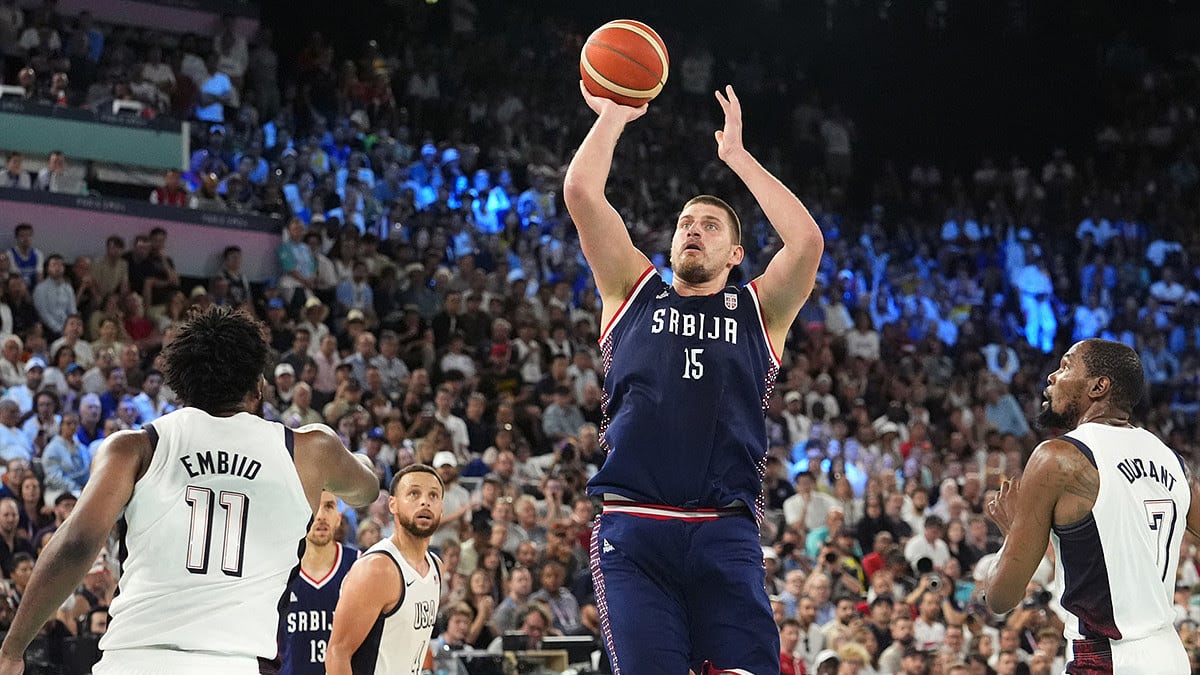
x=1037, y=294
x=1090, y=319
x=1001, y=360
x=23, y=394
x=150, y=403
x=13, y=175
x=231, y=49
x=442, y=402
x=807, y=508
x=799, y=425
x=14, y=444
x=929, y=545
x=1167, y=291
x=53, y=297
x=216, y=92
x=1100, y=228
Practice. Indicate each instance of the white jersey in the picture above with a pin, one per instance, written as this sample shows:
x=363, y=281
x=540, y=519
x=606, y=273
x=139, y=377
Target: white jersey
x=399, y=640
x=210, y=538
x=1115, y=569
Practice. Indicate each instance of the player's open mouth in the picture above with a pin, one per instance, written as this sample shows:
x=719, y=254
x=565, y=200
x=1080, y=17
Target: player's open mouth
x=692, y=247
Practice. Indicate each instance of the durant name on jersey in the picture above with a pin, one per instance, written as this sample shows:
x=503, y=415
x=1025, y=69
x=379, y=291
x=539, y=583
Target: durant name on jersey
x=229, y=463
x=1134, y=469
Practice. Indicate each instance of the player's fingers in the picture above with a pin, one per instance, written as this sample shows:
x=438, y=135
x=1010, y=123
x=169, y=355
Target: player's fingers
x=720, y=135
x=729, y=92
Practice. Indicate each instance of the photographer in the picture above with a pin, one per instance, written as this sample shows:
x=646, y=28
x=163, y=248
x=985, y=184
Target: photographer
x=843, y=569
x=1032, y=616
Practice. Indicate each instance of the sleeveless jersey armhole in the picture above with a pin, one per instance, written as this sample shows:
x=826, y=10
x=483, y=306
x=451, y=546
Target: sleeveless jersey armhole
x=762, y=323
x=400, y=573
x=637, y=288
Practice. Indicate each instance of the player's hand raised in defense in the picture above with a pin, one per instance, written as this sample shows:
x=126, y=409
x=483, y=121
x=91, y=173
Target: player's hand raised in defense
x=1002, y=508
x=606, y=107
x=729, y=140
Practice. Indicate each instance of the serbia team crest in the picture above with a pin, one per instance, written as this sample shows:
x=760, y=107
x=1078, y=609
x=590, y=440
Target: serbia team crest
x=730, y=300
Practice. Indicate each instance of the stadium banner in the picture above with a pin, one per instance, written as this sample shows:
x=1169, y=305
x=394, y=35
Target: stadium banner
x=76, y=225
x=39, y=128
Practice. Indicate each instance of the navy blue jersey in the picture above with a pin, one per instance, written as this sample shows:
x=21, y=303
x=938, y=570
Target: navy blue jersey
x=685, y=387
x=307, y=620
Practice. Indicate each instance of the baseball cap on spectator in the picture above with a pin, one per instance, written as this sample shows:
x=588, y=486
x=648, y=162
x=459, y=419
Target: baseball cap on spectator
x=912, y=650
x=271, y=282
x=65, y=497
x=275, y=303
x=375, y=434
x=288, y=152
x=35, y=362
x=73, y=368
x=313, y=303
x=355, y=315
x=888, y=427
x=792, y=396
x=444, y=458
x=824, y=377
x=284, y=369
x=826, y=655
x=216, y=129
x=413, y=268
x=198, y=291
x=428, y=150
x=769, y=553
x=493, y=479
x=317, y=218
x=449, y=155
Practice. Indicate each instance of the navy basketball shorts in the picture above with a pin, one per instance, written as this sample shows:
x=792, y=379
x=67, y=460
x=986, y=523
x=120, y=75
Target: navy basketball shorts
x=676, y=589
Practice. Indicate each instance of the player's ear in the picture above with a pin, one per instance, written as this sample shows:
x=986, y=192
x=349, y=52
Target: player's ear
x=738, y=254
x=1100, y=387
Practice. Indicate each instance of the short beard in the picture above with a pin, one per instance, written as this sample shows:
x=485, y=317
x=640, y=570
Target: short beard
x=1048, y=419
x=693, y=273
x=417, y=531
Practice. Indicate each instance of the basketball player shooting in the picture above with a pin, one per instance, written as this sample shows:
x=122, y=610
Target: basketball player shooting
x=1110, y=497
x=689, y=365
x=214, y=504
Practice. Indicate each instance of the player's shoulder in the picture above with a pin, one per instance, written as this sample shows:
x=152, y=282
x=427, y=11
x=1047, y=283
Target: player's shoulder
x=377, y=564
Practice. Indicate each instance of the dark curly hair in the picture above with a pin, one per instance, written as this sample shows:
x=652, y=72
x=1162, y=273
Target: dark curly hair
x=216, y=359
x=1120, y=364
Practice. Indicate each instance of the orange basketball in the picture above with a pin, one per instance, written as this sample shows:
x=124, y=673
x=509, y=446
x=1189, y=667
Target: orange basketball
x=625, y=61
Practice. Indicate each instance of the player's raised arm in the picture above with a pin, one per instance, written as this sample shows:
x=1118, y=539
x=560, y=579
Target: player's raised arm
x=784, y=286
x=367, y=592
x=325, y=464
x=121, y=460
x=615, y=262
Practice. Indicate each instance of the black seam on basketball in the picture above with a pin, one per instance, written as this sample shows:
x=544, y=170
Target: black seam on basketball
x=627, y=58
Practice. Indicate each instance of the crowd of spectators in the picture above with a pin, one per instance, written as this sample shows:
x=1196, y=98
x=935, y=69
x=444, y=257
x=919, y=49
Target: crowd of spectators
x=432, y=305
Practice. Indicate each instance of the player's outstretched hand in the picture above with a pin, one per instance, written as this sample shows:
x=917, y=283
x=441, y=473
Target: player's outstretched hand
x=603, y=106
x=729, y=139
x=1003, y=507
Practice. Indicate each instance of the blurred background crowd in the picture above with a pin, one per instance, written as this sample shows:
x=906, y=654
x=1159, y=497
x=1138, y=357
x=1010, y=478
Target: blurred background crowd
x=432, y=305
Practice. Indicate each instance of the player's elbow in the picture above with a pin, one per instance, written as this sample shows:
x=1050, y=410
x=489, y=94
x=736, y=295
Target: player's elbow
x=999, y=602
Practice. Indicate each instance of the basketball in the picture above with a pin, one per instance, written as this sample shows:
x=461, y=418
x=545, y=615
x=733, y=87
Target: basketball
x=625, y=61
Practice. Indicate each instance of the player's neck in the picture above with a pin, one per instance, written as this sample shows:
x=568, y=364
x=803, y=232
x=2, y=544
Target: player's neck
x=685, y=289
x=411, y=547
x=1104, y=412
x=318, y=560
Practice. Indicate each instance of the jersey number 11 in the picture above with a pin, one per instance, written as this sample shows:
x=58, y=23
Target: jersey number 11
x=233, y=550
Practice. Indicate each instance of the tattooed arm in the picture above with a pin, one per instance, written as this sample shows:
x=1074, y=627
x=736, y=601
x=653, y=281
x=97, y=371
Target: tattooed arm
x=1059, y=485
